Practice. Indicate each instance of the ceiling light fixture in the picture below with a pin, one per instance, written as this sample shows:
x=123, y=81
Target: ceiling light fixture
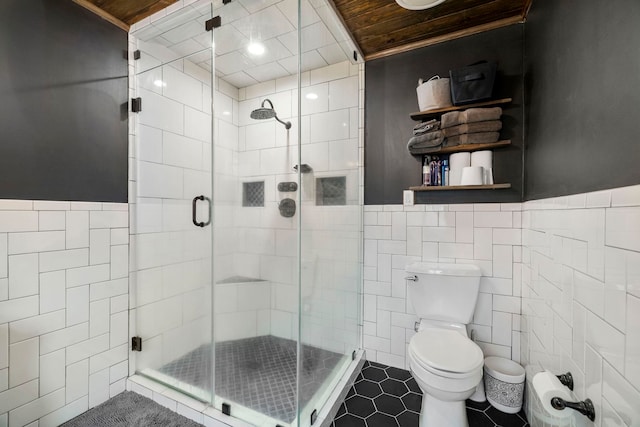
x=255, y=48
x=418, y=4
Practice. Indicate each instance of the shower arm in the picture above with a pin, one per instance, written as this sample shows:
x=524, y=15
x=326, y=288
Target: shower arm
x=287, y=125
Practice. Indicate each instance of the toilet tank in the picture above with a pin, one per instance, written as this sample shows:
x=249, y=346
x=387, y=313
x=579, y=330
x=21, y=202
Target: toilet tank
x=446, y=292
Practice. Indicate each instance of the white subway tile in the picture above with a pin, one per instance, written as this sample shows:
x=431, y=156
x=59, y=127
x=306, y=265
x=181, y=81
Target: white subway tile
x=119, y=261
x=3, y=255
x=108, y=358
x=18, y=396
x=86, y=275
x=4, y=346
x=506, y=304
x=119, y=303
x=48, y=205
x=632, y=349
x=18, y=308
x=623, y=228
x=63, y=338
x=77, y=305
x=589, y=292
x=439, y=234
x=88, y=348
x=99, y=317
x=38, y=325
x=501, y=329
x=98, y=388
x=502, y=261
x=484, y=308
x=482, y=244
x=606, y=340
x=118, y=328
x=100, y=246
x=108, y=219
x=51, y=220
x=23, y=275
x=52, y=371
x=494, y=285
x=77, y=235
x=622, y=396
x=77, y=380
x=626, y=196
x=492, y=219
x=59, y=260
x=15, y=221
x=24, y=358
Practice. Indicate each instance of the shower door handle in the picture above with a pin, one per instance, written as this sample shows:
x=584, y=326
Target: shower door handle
x=194, y=204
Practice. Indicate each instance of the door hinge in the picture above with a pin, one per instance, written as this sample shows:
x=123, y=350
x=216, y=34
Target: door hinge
x=136, y=105
x=226, y=409
x=136, y=344
x=314, y=416
x=136, y=54
x=212, y=23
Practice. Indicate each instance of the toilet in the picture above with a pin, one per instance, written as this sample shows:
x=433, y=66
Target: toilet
x=444, y=361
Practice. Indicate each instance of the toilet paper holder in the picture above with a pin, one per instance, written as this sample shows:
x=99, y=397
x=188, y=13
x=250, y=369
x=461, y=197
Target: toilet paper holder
x=566, y=380
x=585, y=407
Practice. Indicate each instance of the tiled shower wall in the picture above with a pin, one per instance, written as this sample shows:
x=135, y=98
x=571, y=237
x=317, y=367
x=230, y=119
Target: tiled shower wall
x=486, y=235
x=581, y=298
x=63, y=308
x=331, y=234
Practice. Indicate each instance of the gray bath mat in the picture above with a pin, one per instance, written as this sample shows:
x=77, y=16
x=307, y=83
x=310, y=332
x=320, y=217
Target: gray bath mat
x=129, y=409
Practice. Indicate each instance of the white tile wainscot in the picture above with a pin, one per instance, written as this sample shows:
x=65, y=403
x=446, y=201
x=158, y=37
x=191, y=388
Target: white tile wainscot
x=581, y=299
x=63, y=308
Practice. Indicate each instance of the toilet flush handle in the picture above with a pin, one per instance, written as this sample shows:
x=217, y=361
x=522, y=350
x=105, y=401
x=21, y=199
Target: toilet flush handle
x=413, y=278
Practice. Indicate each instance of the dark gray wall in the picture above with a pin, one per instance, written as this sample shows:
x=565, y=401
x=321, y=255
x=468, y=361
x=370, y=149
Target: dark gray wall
x=391, y=96
x=63, y=94
x=583, y=96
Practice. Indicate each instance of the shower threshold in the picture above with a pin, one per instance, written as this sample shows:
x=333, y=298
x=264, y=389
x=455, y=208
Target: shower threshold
x=258, y=373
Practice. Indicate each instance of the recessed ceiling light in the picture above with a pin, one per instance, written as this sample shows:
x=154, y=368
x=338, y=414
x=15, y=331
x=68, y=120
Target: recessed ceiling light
x=159, y=83
x=418, y=4
x=312, y=96
x=255, y=48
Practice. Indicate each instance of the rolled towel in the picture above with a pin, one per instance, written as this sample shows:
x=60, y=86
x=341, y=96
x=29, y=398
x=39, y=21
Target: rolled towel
x=473, y=138
x=424, y=127
x=471, y=115
x=420, y=144
x=490, y=126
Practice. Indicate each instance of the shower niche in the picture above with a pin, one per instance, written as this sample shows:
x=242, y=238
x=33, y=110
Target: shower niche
x=259, y=310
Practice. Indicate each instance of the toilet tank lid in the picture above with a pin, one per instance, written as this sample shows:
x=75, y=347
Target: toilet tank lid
x=444, y=269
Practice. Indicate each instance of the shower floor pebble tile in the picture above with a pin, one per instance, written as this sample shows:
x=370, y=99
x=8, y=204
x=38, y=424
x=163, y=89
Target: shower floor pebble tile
x=383, y=396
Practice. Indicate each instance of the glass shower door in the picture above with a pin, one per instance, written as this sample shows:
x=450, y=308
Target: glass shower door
x=171, y=221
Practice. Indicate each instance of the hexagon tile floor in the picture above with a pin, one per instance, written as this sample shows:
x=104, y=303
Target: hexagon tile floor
x=383, y=396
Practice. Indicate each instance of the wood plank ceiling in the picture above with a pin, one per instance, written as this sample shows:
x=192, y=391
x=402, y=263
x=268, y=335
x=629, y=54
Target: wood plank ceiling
x=379, y=27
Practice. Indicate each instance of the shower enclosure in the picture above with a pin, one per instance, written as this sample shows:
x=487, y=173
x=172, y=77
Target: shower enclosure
x=246, y=205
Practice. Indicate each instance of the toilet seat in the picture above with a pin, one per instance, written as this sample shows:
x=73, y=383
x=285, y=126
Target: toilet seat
x=446, y=353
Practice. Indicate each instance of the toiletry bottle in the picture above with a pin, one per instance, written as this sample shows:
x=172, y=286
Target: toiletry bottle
x=445, y=172
x=426, y=173
x=433, y=166
x=439, y=172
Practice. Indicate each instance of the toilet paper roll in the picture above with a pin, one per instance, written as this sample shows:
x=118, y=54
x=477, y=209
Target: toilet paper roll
x=482, y=158
x=457, y=161
x=547, y=386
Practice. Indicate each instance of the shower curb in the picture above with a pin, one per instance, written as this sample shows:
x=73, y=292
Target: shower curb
x=202, y=413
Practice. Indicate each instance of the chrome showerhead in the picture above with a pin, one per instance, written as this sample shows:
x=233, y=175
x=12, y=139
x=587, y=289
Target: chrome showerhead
x=264, y=113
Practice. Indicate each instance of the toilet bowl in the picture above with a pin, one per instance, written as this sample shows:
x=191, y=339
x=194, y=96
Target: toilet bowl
x=445, y=363
x=447, y=367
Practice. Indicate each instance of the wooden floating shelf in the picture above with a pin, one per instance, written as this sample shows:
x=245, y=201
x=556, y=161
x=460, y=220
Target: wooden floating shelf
x=466, y=147
x=460, y=187
x=429, y=114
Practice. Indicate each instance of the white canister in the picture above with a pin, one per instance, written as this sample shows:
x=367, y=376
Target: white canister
x=484, y=159
x=434, y=93
x=472, y=175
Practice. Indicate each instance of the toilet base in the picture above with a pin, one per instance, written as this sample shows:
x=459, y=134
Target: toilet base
x=439, y=413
